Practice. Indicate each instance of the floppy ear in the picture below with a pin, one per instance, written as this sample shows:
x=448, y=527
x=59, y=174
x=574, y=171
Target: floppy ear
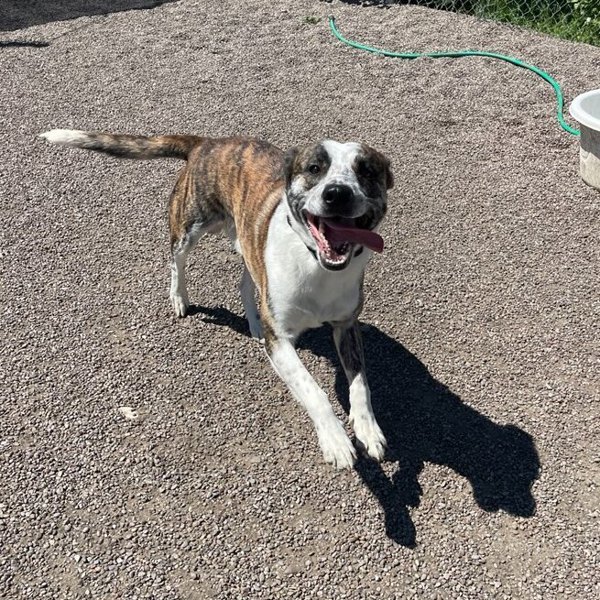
x=288, y=165
x=389, y=177
x=383, y=166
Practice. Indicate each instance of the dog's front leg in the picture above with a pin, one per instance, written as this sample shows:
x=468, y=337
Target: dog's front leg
x=349, y=345
x=247, y=291
x=335, y=444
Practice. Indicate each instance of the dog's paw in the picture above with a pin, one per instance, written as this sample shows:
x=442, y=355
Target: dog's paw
x=180, y=304
x=369, y=435
x=336, y=445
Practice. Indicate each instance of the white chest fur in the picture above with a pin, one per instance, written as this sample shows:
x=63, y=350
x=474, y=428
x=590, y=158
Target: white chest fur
x=302, y=294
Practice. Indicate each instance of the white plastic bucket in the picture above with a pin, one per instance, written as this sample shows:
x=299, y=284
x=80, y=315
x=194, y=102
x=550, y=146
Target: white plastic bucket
x=586, y=109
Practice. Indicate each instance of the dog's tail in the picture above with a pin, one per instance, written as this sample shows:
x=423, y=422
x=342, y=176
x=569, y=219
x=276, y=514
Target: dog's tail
x=125, y=146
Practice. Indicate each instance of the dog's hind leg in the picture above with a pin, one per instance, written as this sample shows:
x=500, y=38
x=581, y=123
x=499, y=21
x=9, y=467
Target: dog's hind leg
x=179, y=253
x=191, y=216
x=248, y=291
x=349, y=345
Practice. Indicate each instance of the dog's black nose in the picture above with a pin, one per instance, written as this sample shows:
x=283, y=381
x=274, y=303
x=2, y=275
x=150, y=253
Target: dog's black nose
x=336, y=195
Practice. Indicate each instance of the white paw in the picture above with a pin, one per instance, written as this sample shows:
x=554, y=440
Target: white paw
x=180, y=304
x=369, y=435
x=336, y=445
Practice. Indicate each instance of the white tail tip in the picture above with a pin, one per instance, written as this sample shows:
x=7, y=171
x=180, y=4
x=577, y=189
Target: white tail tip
x=66, y=137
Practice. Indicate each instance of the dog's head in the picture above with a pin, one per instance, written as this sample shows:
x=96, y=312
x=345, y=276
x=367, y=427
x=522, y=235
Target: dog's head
x=337, y=197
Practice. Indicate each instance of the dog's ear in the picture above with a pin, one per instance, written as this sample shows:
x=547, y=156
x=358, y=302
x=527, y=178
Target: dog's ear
x=382, y=163
x=389, y=176
x=288, y=165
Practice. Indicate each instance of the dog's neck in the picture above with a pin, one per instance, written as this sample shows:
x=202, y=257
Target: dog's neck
x=301, y=292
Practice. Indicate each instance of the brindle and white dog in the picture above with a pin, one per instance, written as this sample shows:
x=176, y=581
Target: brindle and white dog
x=305, y=224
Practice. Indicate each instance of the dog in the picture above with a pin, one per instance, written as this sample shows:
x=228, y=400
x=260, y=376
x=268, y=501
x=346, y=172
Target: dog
x=305, y=222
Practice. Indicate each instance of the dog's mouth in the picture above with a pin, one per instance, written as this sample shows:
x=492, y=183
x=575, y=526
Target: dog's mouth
x=336, y=238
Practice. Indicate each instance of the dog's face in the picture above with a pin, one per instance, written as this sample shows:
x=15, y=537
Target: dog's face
x=337, y=195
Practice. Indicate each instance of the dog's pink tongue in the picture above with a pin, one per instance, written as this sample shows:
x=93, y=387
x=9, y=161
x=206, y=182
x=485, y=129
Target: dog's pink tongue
x=337, y=233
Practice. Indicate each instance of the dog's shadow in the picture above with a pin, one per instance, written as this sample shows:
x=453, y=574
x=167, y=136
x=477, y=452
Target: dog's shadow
x=222, y=317
x=424, y=421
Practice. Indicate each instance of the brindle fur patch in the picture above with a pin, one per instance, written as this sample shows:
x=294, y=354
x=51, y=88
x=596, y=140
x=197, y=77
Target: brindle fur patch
x=350, y=349
x=378, y=165
x=373, y=172
x=230, y=179
x=297, y=168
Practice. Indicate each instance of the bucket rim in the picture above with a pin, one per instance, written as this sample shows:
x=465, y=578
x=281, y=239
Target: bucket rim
x=580, y=114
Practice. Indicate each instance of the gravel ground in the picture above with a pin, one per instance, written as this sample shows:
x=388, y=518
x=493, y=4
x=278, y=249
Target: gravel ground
x=481, y=320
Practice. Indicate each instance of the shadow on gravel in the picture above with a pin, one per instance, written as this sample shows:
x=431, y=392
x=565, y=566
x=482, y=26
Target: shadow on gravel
x=220, y=316
x=423, y=421
x=23, y=44
x=17, y=14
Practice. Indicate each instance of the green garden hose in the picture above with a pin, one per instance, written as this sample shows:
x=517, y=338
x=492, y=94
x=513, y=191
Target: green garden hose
x=514, y=61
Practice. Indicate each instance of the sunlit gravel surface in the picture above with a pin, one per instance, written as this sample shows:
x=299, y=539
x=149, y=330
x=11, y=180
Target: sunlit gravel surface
x=481, y=321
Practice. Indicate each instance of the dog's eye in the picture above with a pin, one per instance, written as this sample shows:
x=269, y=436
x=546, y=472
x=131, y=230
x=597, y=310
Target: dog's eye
x=366, y=170
x=314, y=169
